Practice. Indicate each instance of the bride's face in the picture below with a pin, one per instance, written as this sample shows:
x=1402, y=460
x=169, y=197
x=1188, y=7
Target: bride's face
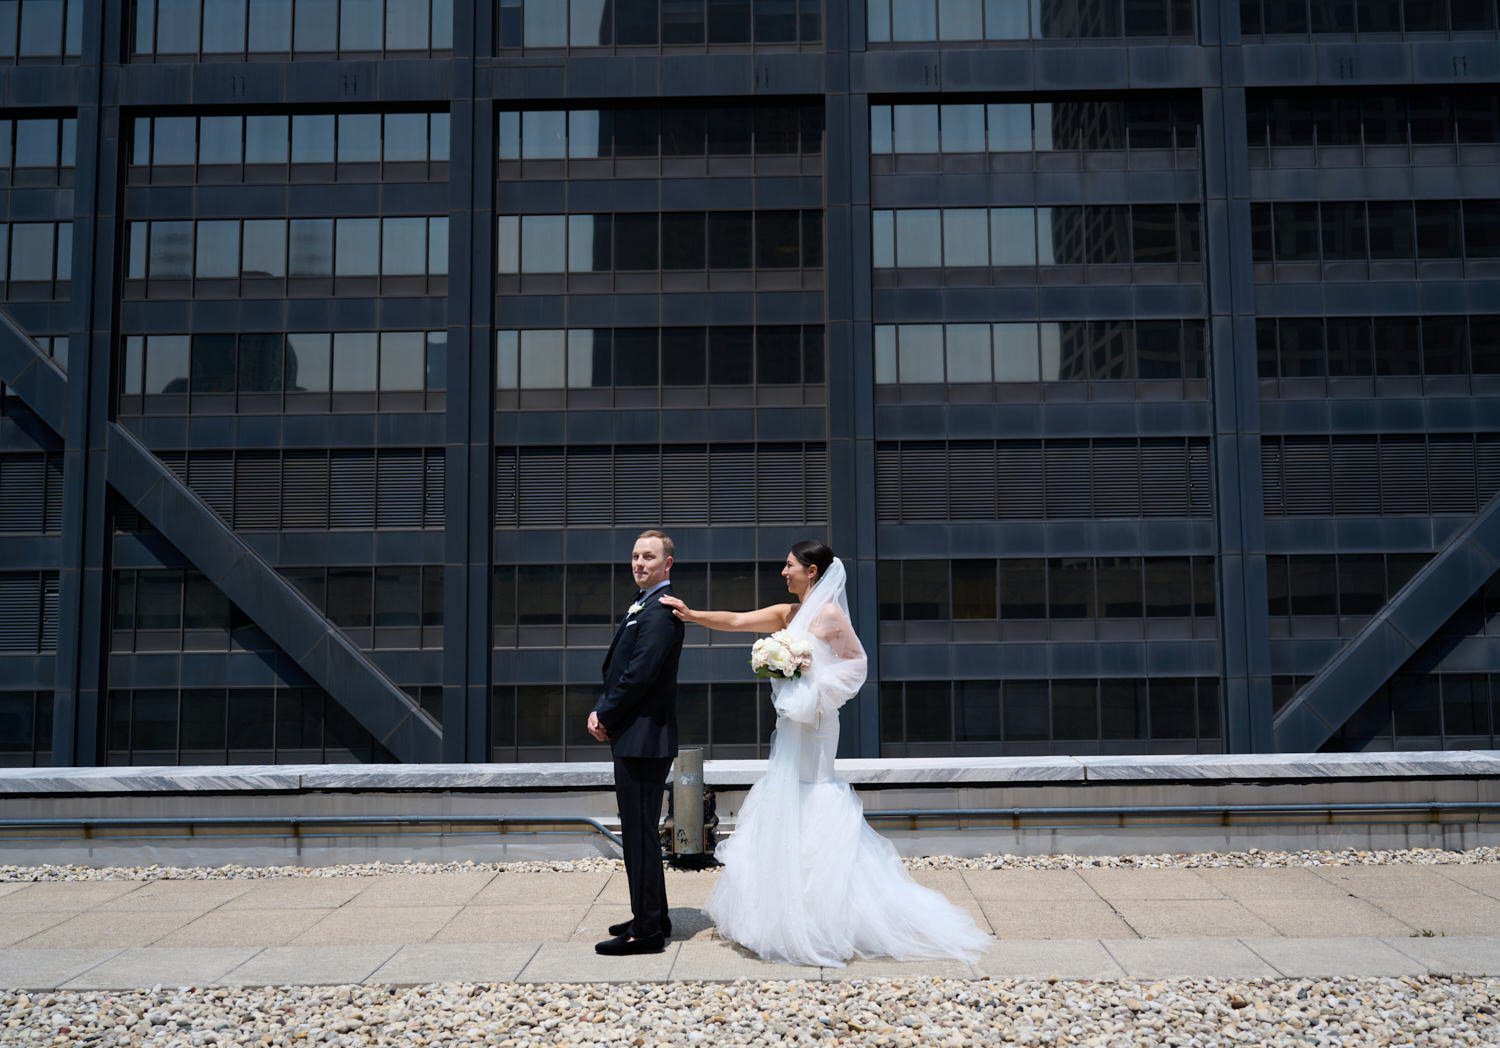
x=797, y=577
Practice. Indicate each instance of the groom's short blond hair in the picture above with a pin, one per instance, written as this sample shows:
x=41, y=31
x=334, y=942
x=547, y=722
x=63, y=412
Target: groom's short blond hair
x=667, y=548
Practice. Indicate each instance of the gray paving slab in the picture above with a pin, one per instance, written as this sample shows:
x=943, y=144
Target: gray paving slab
x=1396, y=881
x=426, y=889
x=1479, y=877
x=720, y=961
x=511, y=924
x=1188, y=918
x=1188, y=958
x=15, y=927
x=432, y=962
x=66, y=895
x=1027, y=885
x=148, y=966
x=47, y=969
x=1481, y=916
x=577, y=962
x=1453, y=954
x=544, y=889
x=176, y=895
x=1325, y=918
x=1055, y=919
x=244, y=928
x=1319, y=958
x=1044, y=958
x=285, y=893
x=370, y=925
x=1115, y=884
x=114, y=929
x=309, y=966
x=1272, y=883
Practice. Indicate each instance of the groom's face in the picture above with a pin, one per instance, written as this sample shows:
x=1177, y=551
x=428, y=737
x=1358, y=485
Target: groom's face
x=649, y=562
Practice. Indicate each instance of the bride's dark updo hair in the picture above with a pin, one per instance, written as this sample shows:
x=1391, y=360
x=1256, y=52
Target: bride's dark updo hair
x=812, y=553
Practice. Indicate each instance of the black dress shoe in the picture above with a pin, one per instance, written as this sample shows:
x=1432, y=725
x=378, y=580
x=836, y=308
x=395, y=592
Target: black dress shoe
x=623, y=928
x=624, y=945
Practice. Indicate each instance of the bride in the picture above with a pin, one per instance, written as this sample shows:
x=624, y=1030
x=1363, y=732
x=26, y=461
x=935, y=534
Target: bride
x=806, y=880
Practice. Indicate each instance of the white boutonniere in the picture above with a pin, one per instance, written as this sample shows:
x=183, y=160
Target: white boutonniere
x=634, y=608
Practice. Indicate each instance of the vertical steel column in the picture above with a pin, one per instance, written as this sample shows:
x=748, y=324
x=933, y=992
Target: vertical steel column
x=851, y=448
x=1240, y=533
x=467, y=538
x=84, y=583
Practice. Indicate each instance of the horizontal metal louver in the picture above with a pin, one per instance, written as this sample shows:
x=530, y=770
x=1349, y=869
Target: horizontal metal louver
x=1117, y=480
x=1020, y=479
x=1403, y=474
x=1274, y=505
x=53, y=518
x=1069, y=469
x=591, y=486
x=23, y=493
x=1356, y=477
x=505, y=488
x=398, y=489
x=1487, y=465
x=541, y=487
x=779, y=484
x=1200, y=479
x=815, y=459
x=51, y=590
x=1164, y=478
x=924, y=483
x=20, y=611
x=684, y=484
x=971, y=477
x=351, y=490
x=211, y=476
x=888, y=482
x=732, y=483
x=1307, y=476
x=1450, y=471
x=638, y=485
x=434, y=491
x=305, y=490
x=257, y=491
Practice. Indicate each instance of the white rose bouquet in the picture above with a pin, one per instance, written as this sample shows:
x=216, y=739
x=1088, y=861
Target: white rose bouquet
x=782, y=654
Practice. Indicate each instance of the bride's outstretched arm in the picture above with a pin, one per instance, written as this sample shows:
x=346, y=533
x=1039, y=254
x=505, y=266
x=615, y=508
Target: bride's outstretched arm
x=764, y=620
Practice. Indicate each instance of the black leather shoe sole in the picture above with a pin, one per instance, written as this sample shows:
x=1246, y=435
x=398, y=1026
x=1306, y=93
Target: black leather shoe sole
x=624, y=946
x=623, y=928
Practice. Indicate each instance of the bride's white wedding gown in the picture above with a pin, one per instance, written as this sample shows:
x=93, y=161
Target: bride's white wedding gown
x=805, y=879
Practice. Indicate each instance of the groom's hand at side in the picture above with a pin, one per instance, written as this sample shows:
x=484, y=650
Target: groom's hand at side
x=596, y=729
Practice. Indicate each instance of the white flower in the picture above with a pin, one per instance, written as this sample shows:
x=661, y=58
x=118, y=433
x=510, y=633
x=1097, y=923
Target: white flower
x=634, y=608
x=782, y=654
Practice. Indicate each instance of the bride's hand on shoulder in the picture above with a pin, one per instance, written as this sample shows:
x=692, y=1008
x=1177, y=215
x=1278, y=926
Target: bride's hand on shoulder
x=679, y=609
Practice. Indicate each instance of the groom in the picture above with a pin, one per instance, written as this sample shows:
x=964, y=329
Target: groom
x=637, y=716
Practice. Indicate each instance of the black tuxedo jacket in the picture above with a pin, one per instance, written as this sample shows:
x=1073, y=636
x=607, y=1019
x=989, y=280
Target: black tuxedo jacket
x=639, y=704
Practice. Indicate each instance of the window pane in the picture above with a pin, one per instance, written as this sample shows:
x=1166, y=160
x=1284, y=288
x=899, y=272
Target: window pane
x=403, y=247
x=223, y=26
x=636, y=357
x=921, y=352
x=219, y=139
x=311, y=247
x=218, y=250
x=544, y=24
x=1016, y=353
x=589, y=354
x=542, y=359
x=591, y=24
x=1023, y=588
x=402, y=360
x=270, y=27
x=684, y=360
x=544, y=134
x=1013, y=236
x=398, y=596
x=1120, y=587
x=359, y=138
x=213, y=364
x=173, y=140
x=176, y=27
x=354, y=362
x=968, y=352
x=778, y=355
x=542, y=243
x=171, y=250
x=349, y=597
x=913, y=20
x=1026, y=708
x=915, y=129
x=36, y=143
x=729, y=239
x=963, y=129
x=167, y=364
x=777, y=239
x=975, y=595
x=266, y=139
x=636, y=237
x=264, y=248
x=918, y=239
x=316, y=26
x=308, y=361
x=312, y=137
x=260, y=363
x=965, y=237
x=406, y=25
x=358, y=248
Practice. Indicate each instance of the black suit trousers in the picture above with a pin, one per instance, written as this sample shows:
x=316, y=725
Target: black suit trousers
x=639, y=785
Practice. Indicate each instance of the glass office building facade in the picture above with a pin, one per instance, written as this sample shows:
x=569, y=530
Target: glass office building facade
x=1141, y=359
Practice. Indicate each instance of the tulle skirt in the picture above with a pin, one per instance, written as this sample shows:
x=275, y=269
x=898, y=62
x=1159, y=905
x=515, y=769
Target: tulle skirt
x=807, y=881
